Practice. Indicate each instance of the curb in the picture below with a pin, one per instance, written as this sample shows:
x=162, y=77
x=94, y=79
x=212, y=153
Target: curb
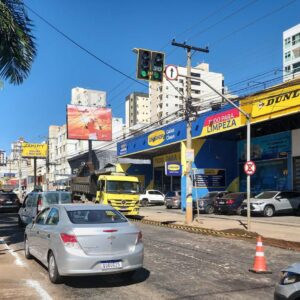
x=193, y=229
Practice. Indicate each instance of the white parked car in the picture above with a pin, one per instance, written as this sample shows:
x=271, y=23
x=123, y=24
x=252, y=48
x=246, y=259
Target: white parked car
x=152, y=197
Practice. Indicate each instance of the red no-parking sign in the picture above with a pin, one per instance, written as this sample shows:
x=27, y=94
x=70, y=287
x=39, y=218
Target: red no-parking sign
x=249, y=167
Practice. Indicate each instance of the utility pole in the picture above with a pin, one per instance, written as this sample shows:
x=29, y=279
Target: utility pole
x=188, y=117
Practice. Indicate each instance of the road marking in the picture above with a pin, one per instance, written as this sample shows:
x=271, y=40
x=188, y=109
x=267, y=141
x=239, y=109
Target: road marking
x=18, y=260
x=36, y=285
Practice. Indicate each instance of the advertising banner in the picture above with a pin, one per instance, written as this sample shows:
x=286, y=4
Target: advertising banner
x=172, y=168
x=282, y=101
x=34, y=150
x=89, y=123
x=220, y=122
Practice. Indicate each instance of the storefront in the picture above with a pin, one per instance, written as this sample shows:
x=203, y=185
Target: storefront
x=219, y=146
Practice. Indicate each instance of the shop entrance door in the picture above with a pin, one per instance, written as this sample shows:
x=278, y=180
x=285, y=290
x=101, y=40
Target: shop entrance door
x=296, y=173
x=165, y=183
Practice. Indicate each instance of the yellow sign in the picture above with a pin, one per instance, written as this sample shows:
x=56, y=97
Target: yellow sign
x=156, y=138
x=159, y=161
x=281, y=101
x=224, y=121
x=34, y=150
x=173, y=167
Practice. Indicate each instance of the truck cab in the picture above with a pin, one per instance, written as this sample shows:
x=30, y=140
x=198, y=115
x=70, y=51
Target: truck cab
x=119, y=191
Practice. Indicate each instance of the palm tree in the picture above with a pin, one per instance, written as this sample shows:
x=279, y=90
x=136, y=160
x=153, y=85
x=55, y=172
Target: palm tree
x=17, y=46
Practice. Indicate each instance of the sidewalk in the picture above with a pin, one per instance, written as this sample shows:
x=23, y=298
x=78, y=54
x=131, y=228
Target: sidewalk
x=275, y=230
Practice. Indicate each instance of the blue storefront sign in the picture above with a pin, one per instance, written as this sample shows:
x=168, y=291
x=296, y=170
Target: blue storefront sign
x=172, y=168
x=209, y=178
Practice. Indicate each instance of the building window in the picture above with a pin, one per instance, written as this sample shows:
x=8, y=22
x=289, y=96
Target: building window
x=195, y=74
x=287, y=56
x=181, y=81
x=287, y=42
x=195, y=82
x=296, y=38
x=195, y=91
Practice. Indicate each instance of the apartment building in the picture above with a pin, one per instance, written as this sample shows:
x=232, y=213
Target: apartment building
x=291, y=53
x=168, y=98
x=137, y=109
x=87, y=97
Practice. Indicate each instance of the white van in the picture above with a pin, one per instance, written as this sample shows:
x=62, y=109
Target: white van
x=34, y=202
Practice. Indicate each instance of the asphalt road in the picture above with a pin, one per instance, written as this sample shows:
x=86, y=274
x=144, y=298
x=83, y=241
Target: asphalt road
x=178, y=265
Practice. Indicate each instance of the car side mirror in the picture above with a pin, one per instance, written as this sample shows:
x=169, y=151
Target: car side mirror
x=278, y=198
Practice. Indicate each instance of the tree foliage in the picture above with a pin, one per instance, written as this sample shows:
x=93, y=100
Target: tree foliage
x=17, y=44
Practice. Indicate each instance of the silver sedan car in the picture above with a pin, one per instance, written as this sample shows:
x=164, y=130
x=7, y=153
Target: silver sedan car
x=78, y=239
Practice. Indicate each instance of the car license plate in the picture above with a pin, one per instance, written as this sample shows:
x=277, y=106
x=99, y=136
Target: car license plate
x=8, y=202
x=111, y=264
x=221, y=202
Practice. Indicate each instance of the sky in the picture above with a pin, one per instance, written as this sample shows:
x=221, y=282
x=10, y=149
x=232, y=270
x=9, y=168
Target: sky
x=244, y=38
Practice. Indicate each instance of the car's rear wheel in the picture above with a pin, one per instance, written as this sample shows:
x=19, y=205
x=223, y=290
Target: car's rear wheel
x=298, y=211
x=209, y=209
x=239, y=211
x=27, y=250
x=54, y=275
x=269, y=211
x=145, y=202
x=168, y=206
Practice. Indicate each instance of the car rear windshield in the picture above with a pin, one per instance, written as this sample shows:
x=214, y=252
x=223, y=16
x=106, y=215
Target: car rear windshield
x=54, y=198
x=210, y=195
x=230, y=196
x=92, y=216
x=8, y=197
x=266, y=195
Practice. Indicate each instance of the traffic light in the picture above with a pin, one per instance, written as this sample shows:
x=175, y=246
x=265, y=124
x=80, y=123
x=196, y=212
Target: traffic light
x=143, y=67
x=157, y=66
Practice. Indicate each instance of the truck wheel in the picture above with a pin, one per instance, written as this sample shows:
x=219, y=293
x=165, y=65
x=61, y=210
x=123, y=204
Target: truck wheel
x=298, y=211
x=269, y=211
x=145, y=202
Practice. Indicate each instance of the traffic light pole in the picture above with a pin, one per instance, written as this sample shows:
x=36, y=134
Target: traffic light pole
x=188, y=106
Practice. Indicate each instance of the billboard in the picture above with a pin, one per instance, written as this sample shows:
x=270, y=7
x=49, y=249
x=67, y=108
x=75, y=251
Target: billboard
x=89, y=123
x=34, y=150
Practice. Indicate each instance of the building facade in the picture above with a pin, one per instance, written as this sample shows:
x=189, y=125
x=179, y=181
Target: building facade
x=219, y=143
x=137, y=109
x=86, y=97
x=168, y=98
x=291, y=52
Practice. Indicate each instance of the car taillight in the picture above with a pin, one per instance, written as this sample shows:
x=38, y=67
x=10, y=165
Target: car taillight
x=69, y=240
x=139, y=238
x=229, y=202
x=39, y=205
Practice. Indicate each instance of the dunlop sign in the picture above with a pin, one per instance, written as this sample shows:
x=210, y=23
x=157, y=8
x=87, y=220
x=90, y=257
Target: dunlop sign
x=275, y=101
x=34, y=150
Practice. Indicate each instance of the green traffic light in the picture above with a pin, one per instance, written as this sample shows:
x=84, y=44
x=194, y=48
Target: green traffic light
x=144, y=73
x=156, y=75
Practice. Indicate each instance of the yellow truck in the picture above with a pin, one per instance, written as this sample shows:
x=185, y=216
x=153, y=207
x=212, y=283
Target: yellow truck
x=120, y=191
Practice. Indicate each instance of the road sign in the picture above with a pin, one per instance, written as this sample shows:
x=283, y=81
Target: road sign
x=249, y=167
x=171, y=72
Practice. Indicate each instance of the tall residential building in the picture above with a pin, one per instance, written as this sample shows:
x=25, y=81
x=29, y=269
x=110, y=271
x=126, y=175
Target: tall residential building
x=137, y=109
x=81, y=96
x=291, y=52
x=168, y=97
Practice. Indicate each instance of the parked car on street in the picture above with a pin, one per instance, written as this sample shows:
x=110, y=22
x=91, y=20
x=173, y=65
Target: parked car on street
x=84, y=239
x=207, y=203
x=173, y=199
x=9, y=201
x=34, y=202
x=230, y=203
x=152, y=197
x=271, y=202
x=289, y=283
